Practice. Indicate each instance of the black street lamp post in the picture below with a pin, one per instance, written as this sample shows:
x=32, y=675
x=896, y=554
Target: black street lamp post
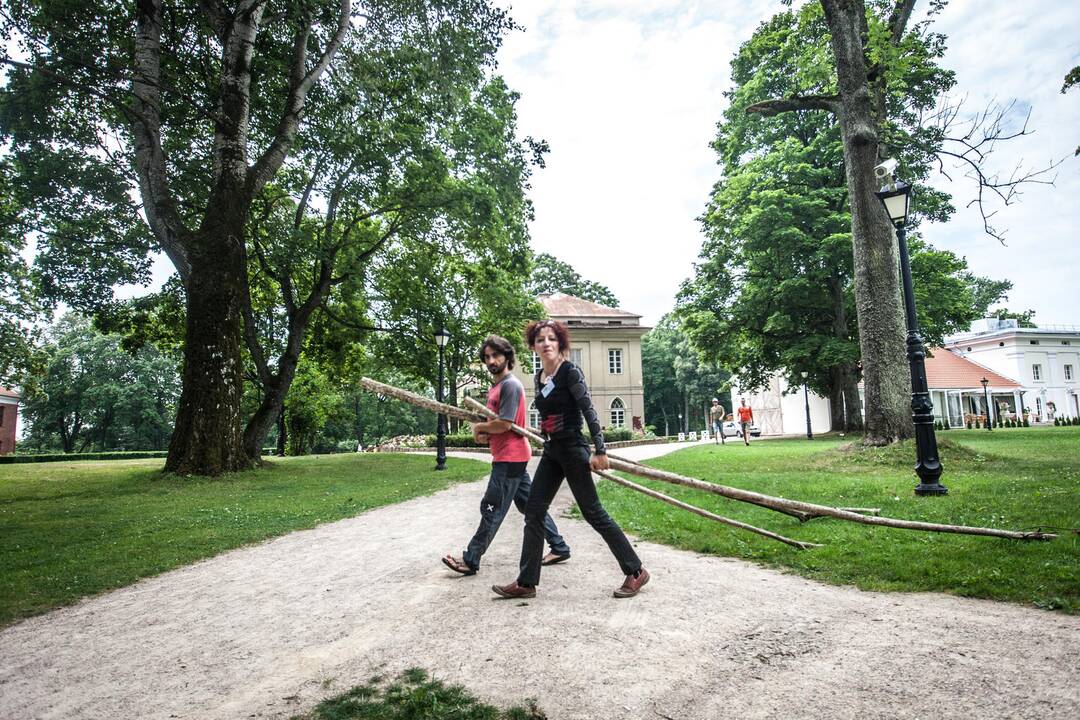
x=806, y=398
x=441, y=338
x=896, y=198
x=986, y=399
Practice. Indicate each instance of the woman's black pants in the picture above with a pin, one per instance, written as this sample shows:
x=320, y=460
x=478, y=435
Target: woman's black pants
x=568, y=459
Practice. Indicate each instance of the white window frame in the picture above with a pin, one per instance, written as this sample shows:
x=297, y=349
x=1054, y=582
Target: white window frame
x=535, y=362
x=1068, y=372
x=614, y=361
x=1036, y=372
x=534, y=415
x=575, y=356
x=618, y=413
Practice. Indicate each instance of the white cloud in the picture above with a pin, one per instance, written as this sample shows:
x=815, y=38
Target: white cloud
x=628, y=93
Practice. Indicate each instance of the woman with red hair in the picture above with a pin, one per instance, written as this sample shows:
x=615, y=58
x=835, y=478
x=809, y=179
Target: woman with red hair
x=562, y=398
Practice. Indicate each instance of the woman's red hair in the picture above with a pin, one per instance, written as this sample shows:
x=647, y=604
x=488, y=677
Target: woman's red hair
x=561, y=333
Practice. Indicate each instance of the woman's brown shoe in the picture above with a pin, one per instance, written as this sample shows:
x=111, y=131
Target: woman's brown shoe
x=514, y=591
x=631, y=585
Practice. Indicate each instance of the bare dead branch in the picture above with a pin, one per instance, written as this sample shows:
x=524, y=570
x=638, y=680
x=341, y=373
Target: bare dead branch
x=971, y=142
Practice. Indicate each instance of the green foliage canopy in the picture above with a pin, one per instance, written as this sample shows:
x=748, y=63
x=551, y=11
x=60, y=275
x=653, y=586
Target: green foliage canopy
x=551, y=275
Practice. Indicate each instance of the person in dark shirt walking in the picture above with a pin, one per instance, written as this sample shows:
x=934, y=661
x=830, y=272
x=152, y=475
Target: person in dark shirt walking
x=562, y=398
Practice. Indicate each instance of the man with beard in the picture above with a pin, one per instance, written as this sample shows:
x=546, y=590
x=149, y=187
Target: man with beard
x=510, y=454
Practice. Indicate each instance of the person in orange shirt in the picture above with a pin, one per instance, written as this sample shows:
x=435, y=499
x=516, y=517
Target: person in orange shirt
x=746, y=417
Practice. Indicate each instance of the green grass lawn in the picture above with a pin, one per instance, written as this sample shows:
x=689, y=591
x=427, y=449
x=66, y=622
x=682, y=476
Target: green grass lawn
x=68, y=530
x=1014, y=479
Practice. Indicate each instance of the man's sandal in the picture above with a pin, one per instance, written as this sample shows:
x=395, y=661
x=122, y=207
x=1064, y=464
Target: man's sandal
x=457, y=565
x=554, y=559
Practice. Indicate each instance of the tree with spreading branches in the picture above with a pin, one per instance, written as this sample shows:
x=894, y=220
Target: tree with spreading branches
x=157, y=125
x=860, y=75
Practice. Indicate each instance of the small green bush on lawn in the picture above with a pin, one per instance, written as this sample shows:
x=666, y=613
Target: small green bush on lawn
x=415, y=696
x=1020, y=480
x=75, y=529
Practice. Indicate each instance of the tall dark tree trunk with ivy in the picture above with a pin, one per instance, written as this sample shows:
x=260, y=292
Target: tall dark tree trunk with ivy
x=207, y=436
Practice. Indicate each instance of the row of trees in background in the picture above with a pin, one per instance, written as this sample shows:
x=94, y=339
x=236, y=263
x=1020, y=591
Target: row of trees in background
x=92, y=395
x=679, y=384
x=113, y=383
x=97, y=392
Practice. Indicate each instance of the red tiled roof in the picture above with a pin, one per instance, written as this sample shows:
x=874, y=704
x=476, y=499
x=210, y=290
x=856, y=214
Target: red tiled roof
x=561, y=305
x=947, y=370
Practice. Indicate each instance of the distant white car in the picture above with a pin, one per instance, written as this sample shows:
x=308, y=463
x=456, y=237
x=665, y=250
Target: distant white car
x=733, y=429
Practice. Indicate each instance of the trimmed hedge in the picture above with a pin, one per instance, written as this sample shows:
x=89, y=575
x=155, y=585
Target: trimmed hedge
x=65, y=457
x=456, y=440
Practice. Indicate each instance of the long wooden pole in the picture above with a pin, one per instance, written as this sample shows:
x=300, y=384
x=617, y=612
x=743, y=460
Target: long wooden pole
x=536, y=439
x=799, y=544
x=729, y=492
x=817, y=510
x=797, y=514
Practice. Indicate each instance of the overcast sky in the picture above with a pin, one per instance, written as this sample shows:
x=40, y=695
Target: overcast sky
x=628, y=93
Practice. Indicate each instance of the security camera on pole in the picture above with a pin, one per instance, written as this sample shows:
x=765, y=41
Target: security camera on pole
x=896, y=197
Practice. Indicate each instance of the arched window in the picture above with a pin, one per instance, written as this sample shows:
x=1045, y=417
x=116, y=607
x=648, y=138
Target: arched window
x=534, y=415
x=618, y=413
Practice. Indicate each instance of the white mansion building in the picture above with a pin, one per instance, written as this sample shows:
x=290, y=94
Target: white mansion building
x=1044, y=362
x=1033, y=368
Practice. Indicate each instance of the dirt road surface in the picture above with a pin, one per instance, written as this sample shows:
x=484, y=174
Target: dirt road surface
x=266, y=631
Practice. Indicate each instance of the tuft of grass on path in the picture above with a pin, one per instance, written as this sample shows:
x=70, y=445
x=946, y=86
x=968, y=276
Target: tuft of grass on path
x=68, y=530
x=1016, y=479
x=414, y=696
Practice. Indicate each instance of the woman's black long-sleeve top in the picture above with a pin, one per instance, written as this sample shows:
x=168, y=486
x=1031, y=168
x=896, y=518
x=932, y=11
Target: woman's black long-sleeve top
x=566, y=402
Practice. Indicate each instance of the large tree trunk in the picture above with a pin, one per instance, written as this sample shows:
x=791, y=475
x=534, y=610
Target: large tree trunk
x=837, y=410
x=853, y=405
x=207, y=439
x=877, y=287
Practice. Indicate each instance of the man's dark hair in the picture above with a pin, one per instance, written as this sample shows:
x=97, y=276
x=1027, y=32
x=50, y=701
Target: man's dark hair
x=500, y=345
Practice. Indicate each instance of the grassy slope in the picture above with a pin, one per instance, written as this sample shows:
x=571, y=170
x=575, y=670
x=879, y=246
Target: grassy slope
x=1015, y=479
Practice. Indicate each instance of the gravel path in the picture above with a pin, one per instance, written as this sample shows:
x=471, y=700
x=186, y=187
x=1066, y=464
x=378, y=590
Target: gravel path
x=266, y=631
